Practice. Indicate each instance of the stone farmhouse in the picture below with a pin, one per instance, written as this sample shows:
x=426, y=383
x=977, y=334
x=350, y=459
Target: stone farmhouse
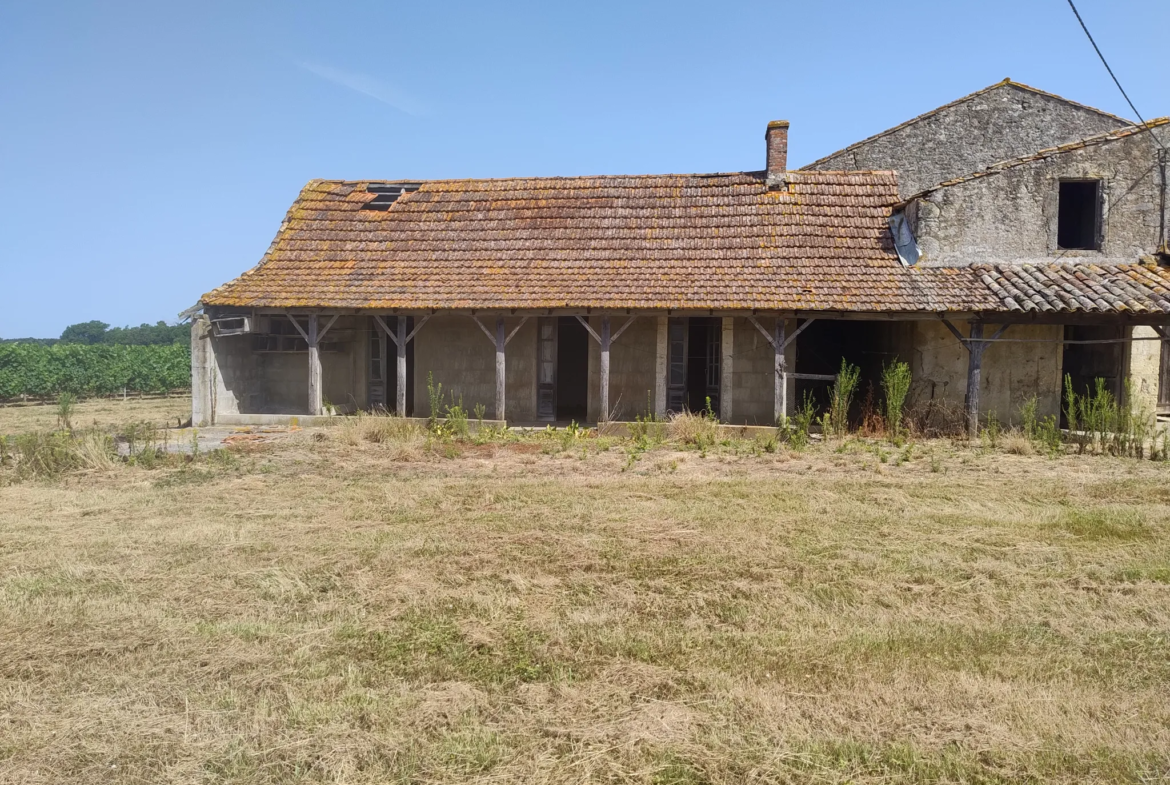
x=995, y=244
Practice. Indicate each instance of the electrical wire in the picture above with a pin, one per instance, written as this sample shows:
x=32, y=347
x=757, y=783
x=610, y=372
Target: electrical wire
x=1116, y=81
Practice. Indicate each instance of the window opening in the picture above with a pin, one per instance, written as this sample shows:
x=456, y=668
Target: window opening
x=1079, y=215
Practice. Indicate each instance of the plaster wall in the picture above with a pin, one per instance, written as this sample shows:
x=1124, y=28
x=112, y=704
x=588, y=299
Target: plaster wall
x=1006, y=121
x=1012, y=372
x=1011, y=216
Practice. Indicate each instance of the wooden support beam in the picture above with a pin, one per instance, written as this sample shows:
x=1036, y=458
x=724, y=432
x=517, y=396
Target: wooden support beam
x=661, y=361
x=400, y=387
x=975, y=348
x=501, y=342
x=515, y=330
x=585, y=323
x=321, y=335
x=297, y=325
x=622, y=329
x=798, y=331
x=727, y=352
x=605, y=342
x=386, y=330
x=314, y=367
x=781, y=381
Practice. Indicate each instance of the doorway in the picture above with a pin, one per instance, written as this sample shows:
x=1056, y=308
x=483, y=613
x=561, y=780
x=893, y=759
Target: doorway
x=694, y=348
x=1085, y=363
x=383, y=382
x=562, y=389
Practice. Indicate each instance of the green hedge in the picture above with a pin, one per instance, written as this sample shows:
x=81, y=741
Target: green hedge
x=100, y=369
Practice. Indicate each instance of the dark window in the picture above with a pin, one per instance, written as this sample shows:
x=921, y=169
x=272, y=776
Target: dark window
x=1079, y=219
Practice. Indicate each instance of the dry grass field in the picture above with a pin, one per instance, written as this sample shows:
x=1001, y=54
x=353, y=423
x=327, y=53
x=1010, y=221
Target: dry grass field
x=319, y=607
x=97, y=412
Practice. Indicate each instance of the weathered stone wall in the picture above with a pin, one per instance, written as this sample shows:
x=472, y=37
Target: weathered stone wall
x=1012, y=372
x=1011, y=216
x=1145, y=364
x=1006, y=121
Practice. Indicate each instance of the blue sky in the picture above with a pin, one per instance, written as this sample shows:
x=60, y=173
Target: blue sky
x=148, y=151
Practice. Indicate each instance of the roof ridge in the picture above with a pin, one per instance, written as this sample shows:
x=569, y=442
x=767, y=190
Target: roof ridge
x=756, y=172
x=1048, y=152
x=918, y=118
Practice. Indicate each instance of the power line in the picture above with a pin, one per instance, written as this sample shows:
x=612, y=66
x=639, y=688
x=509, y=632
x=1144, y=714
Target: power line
x=1110, y=70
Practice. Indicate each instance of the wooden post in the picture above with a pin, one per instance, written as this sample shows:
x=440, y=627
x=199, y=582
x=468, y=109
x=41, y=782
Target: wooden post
x=314, y=368
x=726, y=350
x=400, y=387
x=781, y=403
x=661, y=360
x=500, y=378
x=975, y=347
x=605, y=341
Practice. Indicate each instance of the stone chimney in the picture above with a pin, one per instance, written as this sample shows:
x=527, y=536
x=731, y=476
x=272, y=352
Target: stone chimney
x=777, y=139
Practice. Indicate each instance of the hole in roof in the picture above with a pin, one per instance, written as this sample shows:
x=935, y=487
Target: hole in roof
x=387, y=194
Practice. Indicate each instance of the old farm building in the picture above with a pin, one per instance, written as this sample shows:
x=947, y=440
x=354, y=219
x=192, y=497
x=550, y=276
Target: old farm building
x=995, y=244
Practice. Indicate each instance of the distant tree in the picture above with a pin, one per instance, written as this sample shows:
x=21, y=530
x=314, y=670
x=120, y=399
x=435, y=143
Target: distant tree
x=157, y=334
x=85, y=332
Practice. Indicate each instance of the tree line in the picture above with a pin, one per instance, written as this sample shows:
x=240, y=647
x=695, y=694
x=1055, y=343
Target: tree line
x=94, y=332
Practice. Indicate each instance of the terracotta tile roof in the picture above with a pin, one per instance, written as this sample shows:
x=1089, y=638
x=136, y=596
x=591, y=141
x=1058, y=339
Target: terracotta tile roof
x=1121, y=121
x=672, y=241
x=719, y=241
x=1040, y=155
x=1078, y=288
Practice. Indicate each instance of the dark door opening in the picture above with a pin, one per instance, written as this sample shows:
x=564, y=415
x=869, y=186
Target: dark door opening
x=821, y=348
x=703, y=351
x=1085, y=363
x=572, y=370
x=383, y=387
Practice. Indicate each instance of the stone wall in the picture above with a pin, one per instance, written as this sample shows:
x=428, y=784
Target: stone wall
x=1011, y=216
x=1145, y=364
x=1012, y=372
x=1003, y=122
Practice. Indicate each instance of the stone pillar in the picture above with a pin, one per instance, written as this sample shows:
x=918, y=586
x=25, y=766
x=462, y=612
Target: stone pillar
x=202, y=372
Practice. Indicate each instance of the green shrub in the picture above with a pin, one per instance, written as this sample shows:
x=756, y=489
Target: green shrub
x=841, y=398
x=795, y=429
x=896, y=387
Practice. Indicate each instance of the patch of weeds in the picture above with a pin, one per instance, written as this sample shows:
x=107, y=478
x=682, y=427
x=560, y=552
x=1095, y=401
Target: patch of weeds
x=795, y=429
x=674, y=770
x=1103, y=523
x=991, y=432
x=427, y=645
x=472, y=750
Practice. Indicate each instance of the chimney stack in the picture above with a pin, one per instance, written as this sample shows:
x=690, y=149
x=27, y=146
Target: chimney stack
x=777, y=139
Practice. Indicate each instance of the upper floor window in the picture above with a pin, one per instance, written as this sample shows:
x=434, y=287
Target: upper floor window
x=1079, y=216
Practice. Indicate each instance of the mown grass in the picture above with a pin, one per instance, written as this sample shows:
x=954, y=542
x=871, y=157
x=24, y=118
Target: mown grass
x=376, y=604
